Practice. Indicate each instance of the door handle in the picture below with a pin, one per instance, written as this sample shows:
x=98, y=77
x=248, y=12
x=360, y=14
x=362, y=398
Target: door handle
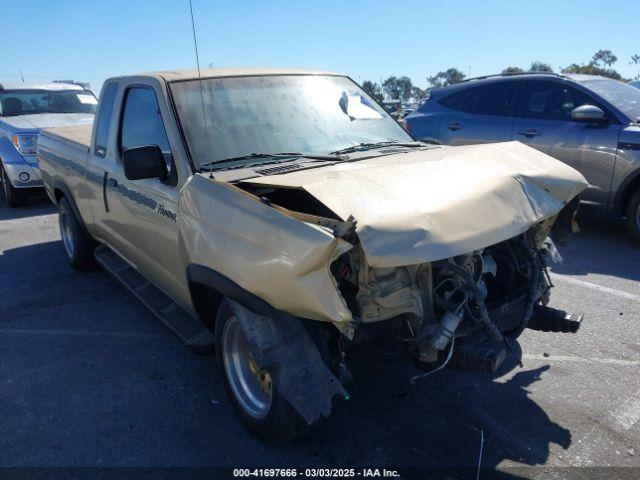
x=529, y=133
x=454, y=126
x=104, y=191
x=113, y=183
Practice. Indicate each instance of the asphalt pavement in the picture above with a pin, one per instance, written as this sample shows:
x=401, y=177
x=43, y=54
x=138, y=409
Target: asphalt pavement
x=89, y=378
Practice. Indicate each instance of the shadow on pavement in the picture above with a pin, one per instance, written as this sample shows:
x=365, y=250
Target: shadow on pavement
x=38, y=276
x=437, y=423
x=602, y=246
x=39, y=204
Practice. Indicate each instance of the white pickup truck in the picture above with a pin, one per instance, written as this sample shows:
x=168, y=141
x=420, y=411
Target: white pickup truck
x=284, y=217
x=25, y=109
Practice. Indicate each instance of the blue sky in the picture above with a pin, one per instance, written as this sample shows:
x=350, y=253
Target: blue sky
x=93, y=40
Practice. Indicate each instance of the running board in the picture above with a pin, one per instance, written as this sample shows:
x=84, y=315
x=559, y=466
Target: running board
x=186, y=326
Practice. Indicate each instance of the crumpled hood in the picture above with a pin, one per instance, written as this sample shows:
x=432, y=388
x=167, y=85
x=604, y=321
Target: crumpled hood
x=46, y=120
x=427, y=205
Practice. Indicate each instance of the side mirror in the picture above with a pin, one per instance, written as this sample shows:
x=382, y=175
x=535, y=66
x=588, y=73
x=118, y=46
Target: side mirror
x=144, y=162
x=587, y=113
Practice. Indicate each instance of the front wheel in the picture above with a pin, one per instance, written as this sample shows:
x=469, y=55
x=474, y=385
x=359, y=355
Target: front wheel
x=78, y=245
x=14, y=197
x=633, y=215
x=262, y=409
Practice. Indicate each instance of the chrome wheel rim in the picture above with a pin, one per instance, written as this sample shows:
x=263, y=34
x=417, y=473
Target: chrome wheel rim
x=67, y=236
x=250, y=384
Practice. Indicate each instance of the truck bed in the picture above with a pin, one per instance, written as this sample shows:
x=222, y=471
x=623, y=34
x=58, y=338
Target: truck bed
x=75, y=135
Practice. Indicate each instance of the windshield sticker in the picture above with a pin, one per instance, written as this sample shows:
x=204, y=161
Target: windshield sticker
x=87, y=99
x=357, y=107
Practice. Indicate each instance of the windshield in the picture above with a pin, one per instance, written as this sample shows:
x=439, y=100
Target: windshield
x=311, y=114
x=29, y=102
x=621, y=95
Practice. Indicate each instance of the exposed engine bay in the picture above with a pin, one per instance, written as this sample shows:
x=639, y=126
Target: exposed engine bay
x=483, y=295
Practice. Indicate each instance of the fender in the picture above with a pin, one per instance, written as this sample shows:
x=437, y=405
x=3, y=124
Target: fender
x=231, y=290
x=624, y=192
x=60, y=185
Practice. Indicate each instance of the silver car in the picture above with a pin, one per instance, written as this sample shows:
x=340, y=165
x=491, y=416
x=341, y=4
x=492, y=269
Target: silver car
x=25, y=108
x=588, y=122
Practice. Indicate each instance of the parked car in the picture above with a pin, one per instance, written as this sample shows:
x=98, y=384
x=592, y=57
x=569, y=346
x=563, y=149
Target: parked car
x=26, y=108
x=635, y=83
x=284, y=217
x=588, y=122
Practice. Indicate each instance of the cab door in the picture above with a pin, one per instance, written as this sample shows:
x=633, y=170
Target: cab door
x=543, y=121
x=141, y=216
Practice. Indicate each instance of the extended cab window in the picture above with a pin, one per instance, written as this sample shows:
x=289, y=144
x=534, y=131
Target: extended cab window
x=551, y=100
x=104, y=119
x=142, y=123
x=493, y=99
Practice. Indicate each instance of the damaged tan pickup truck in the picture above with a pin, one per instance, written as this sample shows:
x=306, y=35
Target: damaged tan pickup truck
x=284, y=217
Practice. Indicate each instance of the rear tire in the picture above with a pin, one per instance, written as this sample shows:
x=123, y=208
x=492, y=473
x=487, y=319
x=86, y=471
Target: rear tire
x=77, y=243
x=633, y=215
x=264, y=412
x=14, y=197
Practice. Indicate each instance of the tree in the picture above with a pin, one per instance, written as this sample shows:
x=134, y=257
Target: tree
x=390, y=87
x=538, y=66
x=406, y=88
x=604, y=58
x=373, y=89
x=635, y=60
x=512, y=70
x=417, y=93
x=600, y=64
x=447, y=77
x=398, y=88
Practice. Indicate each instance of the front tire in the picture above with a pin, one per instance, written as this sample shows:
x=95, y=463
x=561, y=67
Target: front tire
x=633, y=215
x=14, y=197
x=265, y=413
x=78, y=245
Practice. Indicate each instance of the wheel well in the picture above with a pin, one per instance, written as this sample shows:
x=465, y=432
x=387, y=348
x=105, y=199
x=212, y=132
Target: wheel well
x=58, y=194
x=206, y=301
x=626, y=195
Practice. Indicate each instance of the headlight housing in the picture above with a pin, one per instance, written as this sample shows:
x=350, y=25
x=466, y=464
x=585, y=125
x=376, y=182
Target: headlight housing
x=26, y=144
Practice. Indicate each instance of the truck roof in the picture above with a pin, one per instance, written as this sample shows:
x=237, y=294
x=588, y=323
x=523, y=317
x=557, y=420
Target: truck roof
x=192, y=74
x=40, y=86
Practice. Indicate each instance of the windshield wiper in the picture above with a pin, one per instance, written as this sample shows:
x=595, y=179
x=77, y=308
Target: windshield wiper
x=371, y=145
x=277, y=157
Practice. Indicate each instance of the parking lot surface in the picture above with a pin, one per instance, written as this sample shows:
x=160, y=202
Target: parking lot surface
x=89, y=378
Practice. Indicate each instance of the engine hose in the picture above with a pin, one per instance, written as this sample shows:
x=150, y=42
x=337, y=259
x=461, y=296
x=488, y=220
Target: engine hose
x=489, y=324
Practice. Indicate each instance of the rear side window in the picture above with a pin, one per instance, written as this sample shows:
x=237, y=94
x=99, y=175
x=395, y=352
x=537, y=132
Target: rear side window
x=551, y=100
x=492, y=99
x=104, y=119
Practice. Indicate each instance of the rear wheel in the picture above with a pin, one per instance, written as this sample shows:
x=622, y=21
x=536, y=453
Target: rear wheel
x=78, y=245
x=262, y=409
x=633, y=215
x=14, y=197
